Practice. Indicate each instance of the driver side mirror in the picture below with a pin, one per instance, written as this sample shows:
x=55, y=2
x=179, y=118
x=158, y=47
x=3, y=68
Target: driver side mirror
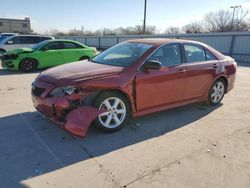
x=152, y=64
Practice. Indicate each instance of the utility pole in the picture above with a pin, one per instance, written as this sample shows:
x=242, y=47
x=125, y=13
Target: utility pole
x=145, y=15
x=82, y=28
x=234, y=8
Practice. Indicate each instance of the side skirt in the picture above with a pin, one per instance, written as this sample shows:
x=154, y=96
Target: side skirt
x=169, y=106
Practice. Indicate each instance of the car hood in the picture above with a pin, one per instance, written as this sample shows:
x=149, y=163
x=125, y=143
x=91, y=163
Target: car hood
x=19, y=51
x=73, y=73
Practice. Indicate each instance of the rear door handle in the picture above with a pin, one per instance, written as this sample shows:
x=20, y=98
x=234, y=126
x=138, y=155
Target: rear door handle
x=181, y=71
x=216, y=65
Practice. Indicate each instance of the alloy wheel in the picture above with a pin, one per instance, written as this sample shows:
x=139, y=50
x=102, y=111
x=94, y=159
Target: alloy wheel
x=218, y=92
x=116, y=112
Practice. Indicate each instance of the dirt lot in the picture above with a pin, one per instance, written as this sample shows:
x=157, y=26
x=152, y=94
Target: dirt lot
x=191, y=146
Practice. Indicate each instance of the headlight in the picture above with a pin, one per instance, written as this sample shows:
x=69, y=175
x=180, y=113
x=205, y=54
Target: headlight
x=14, y=56
x=62, y=91
x=10, y=57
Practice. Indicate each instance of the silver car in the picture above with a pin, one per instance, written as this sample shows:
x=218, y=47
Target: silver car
x=21, y=41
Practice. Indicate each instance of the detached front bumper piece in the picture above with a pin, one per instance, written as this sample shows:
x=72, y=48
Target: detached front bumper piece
x=66, y=111
x=79, y=120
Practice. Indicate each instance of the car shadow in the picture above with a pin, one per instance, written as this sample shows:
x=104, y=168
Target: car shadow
x=31, y=145
x=7, y=72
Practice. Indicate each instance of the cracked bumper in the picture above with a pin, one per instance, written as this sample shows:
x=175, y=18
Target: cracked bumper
x=75, y=119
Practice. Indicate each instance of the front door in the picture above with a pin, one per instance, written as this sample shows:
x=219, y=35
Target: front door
x=159, y=87
x=51, y=54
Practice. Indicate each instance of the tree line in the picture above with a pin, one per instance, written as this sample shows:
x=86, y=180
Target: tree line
x=219, y=21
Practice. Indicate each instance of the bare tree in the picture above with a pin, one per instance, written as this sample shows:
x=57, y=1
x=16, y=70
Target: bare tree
x=193, y=27
x=150, y=30
x=218, y=21
x=223, y=21
x=240, y=23
x=172, y=30
x=136, y=30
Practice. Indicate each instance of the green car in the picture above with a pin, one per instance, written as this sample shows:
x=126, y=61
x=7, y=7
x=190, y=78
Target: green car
x=48, y=53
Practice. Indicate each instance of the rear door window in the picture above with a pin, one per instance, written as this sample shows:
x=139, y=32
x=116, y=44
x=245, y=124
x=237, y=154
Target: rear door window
x=31, y=40
x=71, y=45
x=53, y=46
x=194, y=53
x=210, y=56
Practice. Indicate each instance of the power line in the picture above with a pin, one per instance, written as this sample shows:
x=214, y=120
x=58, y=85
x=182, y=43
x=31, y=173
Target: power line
x=234, y=8
x=145, y=15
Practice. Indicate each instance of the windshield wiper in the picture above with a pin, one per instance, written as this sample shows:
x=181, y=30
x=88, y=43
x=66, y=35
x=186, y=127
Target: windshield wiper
x=94, y=61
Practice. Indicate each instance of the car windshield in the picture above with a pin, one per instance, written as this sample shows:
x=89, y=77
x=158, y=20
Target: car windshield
x=2, y=37
x=123, y=54
x=39, y=45
x=6, y=39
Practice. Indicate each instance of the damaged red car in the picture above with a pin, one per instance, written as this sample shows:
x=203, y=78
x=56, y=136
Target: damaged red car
x=133, y=78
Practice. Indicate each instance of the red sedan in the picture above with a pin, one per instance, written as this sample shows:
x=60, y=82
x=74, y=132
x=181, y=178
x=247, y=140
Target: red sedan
x=133, y=78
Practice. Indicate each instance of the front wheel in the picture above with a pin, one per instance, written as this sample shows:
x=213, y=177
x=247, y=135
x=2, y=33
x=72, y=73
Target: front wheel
x=217, y=92
x=117, y=111
x=2, y=52
x=28, y=65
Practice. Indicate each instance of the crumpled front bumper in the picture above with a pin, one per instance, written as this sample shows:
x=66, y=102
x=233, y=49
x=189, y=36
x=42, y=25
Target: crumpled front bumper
x=64, y=111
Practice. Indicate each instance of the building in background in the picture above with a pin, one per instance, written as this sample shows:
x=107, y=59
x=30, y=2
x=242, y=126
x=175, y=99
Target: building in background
x=15, y=26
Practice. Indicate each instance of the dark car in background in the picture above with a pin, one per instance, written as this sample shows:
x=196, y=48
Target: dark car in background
x=21, y=41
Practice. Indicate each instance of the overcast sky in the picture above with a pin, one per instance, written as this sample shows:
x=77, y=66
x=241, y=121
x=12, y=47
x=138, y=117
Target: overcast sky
x=94, y=14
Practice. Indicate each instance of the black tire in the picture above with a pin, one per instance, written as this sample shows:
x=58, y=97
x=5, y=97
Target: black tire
x=99, y=121
x=215, y=96
x=28, y=65
x=84, y=58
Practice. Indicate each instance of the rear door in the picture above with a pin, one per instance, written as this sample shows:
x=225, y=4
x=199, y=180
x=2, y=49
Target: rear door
x=202, y=66
x=159, y=87
x=29, y=41
x=72, y=52
x=51, y=55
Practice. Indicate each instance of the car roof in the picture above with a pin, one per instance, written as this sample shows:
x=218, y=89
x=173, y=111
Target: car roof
x=63, y=40
x=35, y=36
x=8, y=33
x=161, y=41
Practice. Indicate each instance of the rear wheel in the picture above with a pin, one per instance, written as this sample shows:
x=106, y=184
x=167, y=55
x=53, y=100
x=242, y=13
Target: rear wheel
x=28, y=65
x=217, y=92
x=118, y=111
